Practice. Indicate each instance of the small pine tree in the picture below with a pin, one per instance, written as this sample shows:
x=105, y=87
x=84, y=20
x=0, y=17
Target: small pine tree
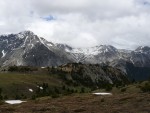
x=5, y=97
x=33, y=97
x=1, y=97
x=56, y=90
x=82, y=90
x=0, y=91
x=63, y=87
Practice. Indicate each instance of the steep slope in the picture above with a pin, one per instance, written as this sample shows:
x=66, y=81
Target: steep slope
x=133, y=72
x=26, y=48
x=94, y=55
x=136, y=63
x=93, y=74
x=139, y=57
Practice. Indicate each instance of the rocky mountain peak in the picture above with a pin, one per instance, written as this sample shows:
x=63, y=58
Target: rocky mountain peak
x=26, y=33
x=65, y=47
x=143, y=49
x=106, y=48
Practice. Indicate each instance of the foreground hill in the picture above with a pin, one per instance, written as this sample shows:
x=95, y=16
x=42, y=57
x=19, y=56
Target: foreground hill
x=131, y=100
x=92, y=75
x=69, y=89
x=26, y=81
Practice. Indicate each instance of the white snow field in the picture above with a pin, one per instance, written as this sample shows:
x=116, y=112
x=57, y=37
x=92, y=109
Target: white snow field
x=14, y=101
x=102, y=93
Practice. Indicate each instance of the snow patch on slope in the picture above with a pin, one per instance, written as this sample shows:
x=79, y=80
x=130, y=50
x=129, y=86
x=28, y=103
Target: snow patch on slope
x=31, y=90
x=14, y=101
x=4, y=54
x=41, y=41
x=101, y=93
x=24, y=42
x=94, y=50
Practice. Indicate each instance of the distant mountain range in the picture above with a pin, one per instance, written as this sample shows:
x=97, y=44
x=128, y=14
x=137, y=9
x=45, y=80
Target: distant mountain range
x=26, y=48
x=108, y=54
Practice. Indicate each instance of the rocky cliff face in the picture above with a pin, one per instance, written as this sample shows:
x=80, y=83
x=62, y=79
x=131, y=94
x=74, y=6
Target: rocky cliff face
x=26, y=48
x=135, y=63
x=107, y=54
x=92, y=74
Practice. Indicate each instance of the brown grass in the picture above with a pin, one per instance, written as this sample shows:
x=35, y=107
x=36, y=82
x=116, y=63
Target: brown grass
x=84, y=103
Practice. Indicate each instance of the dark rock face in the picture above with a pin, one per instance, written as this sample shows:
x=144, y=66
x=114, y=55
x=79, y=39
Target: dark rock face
x=26, y=48
x=136, y=64
x=93, y=74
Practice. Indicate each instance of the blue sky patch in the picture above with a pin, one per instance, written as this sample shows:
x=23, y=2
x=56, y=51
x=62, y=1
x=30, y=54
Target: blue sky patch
x=49, y=18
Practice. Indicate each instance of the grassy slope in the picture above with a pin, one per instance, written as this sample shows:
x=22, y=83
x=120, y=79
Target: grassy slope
x=17, y=83
x=129, y=101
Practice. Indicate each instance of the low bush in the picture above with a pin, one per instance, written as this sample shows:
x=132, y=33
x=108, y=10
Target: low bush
x=123, y=89
x=146, y=87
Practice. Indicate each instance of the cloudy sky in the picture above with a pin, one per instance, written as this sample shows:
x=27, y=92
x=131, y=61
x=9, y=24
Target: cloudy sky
x=80, y=23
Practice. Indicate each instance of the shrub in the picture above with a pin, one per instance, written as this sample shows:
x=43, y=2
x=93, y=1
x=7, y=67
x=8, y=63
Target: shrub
x=123, y=89
x=17, y=97
x=63, y=87
x=1, y=97
x=146, y=87
x=0, y=91
x=13, y=68
x=33, y=97
x=82, y=90
x=55, y=95
x=5, y=97
x=108, y=87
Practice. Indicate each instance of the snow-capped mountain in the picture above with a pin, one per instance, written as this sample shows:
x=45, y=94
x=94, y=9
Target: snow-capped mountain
x=26, y=48
x=140, y=57
x=136, y=64
x=94, y=55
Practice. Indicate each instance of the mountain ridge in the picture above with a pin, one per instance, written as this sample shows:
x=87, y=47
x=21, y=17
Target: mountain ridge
x=27, y=40
x=26, y=48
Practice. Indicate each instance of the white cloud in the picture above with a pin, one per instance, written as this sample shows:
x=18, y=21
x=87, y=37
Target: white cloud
x=80, y=23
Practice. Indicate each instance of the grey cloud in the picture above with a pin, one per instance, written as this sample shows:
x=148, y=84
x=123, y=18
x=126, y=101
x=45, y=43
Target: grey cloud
x=80, y=23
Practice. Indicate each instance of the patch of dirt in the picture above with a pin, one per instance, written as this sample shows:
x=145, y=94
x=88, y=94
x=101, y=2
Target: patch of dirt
x=85, y=103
